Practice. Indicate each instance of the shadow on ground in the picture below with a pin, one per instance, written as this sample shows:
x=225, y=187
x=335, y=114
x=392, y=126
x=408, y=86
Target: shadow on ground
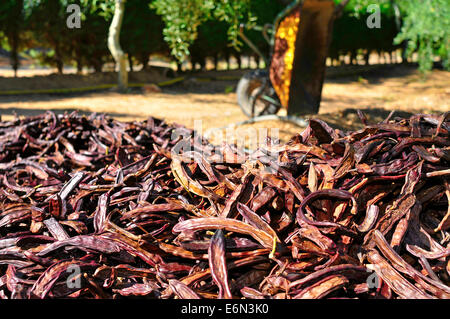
x=34, y=112
x=200, y=82
x=348, y=119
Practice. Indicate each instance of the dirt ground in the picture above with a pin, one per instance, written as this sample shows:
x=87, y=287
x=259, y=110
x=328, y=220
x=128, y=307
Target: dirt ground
x=212, y=103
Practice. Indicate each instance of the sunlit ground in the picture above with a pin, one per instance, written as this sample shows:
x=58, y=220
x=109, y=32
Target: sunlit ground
x=401, y=89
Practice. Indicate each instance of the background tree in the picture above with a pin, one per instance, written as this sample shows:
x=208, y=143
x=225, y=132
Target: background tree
x=114, y=44
x=142, y=33
x=208, y=29
x=50, y=40
x=113, y=12
x=12, y=26
x=212, y=41
x=352, y=37
x=88, y=44
x=48, y=24
x=425, y=27
x=182, y=19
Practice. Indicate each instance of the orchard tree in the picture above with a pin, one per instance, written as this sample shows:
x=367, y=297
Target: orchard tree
x=50, y=30
x=114, y=44
x=426, y=28
x=182, y=19
x=113, y=10
x=352, y=35
x=142, y=33
x=58, y=35
x=90, y=41
x=12, y=22
x=423, y=25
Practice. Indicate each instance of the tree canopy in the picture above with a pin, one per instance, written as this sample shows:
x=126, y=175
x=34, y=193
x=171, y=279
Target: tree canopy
x=182, y=19
x=173, y=26
x=425, y=25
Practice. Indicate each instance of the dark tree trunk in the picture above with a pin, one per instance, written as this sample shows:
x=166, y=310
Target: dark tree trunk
x=227, y=59
x=203, y=64
x=130, y=62
x=13, y=31
x=60, y=66
x=257, y=60
x=79, y=62
x=179, y=69
x=14, y=44
x=59, y=63
x=352, y=58
x=239, y=61
x=394, y=57
x=404, y=49
x=58, y=58
x=97, y=65
x=144, y=60
x=216, y=61
x=79, y=66
x=311, y=50
x=367, y=57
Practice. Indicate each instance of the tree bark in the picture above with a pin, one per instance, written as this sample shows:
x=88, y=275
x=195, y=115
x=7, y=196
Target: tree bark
x=144, y=59
x=14, y=44
x=130, y=62
x=340, y=8
x=311, y=50
x=58, y=58
x=114, y=44
x=79, y=66
x=13, y=33
x=79, y=61
x=239, y=61
x=216, y=61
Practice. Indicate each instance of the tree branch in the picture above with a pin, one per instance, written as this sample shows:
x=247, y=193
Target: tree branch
x=339, y=8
